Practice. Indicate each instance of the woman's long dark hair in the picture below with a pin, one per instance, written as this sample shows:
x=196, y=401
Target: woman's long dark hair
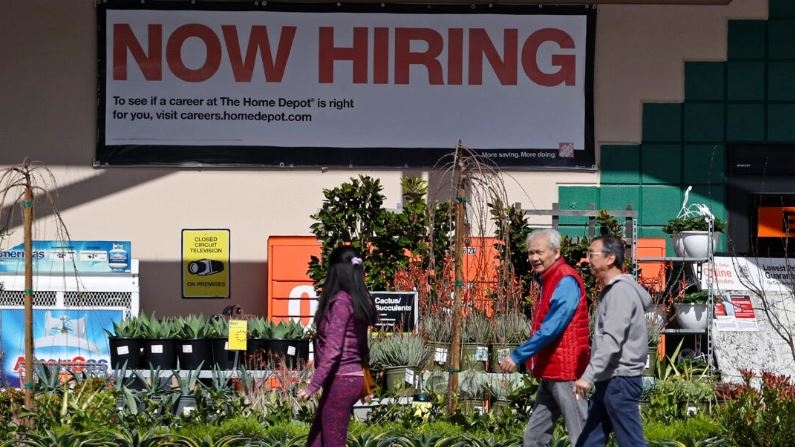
x=345, y=273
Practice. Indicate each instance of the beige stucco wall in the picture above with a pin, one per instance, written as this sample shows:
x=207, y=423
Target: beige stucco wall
x=48, y=113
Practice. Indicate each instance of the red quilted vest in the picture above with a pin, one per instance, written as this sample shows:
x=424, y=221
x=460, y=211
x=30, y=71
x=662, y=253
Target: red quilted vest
x=567, y=357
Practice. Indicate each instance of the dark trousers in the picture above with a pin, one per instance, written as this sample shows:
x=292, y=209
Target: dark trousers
x=614, y=408
x=330, y=426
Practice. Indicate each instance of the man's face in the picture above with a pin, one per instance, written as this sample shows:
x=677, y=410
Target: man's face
x=541, y=256
x=598, y=260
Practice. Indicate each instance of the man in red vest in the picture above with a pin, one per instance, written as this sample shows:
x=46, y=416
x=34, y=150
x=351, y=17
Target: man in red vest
x=558, y=351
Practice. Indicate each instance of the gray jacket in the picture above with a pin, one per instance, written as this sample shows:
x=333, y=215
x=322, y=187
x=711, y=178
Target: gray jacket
x=619, y=346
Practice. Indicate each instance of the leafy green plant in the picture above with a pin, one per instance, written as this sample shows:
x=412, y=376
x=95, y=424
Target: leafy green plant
x=764, y=416
x=692, y=222
x=511, y=230
x=698, y=297
x=353, y=213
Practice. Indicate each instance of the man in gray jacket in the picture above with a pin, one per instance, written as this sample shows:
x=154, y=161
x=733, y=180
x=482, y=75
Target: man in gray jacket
x=618, y=351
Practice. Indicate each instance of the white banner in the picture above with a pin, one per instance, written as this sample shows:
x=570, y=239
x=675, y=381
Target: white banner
x=757, y=274
x=347, y=80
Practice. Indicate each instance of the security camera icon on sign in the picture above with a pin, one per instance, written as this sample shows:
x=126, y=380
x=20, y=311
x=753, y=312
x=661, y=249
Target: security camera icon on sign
x=204, y=267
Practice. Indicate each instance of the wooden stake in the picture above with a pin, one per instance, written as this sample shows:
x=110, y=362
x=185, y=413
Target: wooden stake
x=27, y=219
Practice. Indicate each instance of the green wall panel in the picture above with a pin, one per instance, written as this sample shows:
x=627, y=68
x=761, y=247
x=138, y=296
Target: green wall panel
x=781, y=39
x=577, y=198
x=781, y=81
x=615, y=197
x=746, y=81
x=659, y=203
x=704, y=80
x=662, y=122
x=747, y=39
x=575, y=231
x=781, y=8
x=704, y=163
x=745, y=122
x=649, y=231
x=620, y=163
x=704, y=122
x=780, y=127
x=660, y=163
x=710, y=195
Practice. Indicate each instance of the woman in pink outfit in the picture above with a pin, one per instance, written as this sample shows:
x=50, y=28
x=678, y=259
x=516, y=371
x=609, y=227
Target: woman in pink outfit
x=344, y=312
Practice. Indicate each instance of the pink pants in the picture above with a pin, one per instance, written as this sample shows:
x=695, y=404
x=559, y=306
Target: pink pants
x=330, y=427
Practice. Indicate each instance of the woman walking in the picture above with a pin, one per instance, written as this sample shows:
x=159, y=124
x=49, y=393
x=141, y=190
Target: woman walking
x=344, y=312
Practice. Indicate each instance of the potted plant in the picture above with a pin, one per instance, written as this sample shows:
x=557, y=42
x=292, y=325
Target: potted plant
x=499, y=388
x=193, y=347
x=476, y=337
x=437, y=329
x=654, y=326
x=218, y=334
x=159, y=341
x=400, y=356
x=276, y=344
x=509, y=330
x=691, y=310
x=125, y=344
x=471, y=388
x=690, y=234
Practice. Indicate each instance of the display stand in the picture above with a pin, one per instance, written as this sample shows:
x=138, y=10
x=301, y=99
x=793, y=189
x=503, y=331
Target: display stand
x=697, y=265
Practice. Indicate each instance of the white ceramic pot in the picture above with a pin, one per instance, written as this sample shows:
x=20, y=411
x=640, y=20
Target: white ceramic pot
x=679, y=248
x=691, y=315
x=696, y=244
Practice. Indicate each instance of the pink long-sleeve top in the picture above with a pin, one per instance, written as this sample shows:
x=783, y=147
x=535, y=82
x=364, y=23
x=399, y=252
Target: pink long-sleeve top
x=339, y=342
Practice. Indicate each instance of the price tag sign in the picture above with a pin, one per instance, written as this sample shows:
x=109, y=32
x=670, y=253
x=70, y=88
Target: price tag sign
x=238, y=333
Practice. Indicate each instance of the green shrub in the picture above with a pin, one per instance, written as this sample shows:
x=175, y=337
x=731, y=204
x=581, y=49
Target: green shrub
x=763, y=417
x=696, y=427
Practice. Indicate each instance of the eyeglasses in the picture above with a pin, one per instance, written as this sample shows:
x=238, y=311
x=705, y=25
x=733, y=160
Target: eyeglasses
x=591, y=254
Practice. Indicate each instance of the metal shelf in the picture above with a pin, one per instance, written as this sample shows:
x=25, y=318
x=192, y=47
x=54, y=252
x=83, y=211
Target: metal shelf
x=671, y=259
x=683, y=331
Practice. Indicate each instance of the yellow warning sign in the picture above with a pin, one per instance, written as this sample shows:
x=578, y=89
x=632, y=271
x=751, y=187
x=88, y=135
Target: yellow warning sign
x=205, y=263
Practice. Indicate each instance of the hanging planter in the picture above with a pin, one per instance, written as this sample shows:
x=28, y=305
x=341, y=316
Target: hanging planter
x=692, y=311
x=689, y=230
x=696, y=244
x=691, y=315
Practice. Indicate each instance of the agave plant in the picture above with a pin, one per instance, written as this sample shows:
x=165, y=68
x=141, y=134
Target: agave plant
x=126, y=328
x=192, y=327
x=511, y=327
x=217, y=328
x=152, y=327
x=477, y=328
x=137, y=438
x=260, y=327
x=400, y=349
x=288, y=329
x=368, y=440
